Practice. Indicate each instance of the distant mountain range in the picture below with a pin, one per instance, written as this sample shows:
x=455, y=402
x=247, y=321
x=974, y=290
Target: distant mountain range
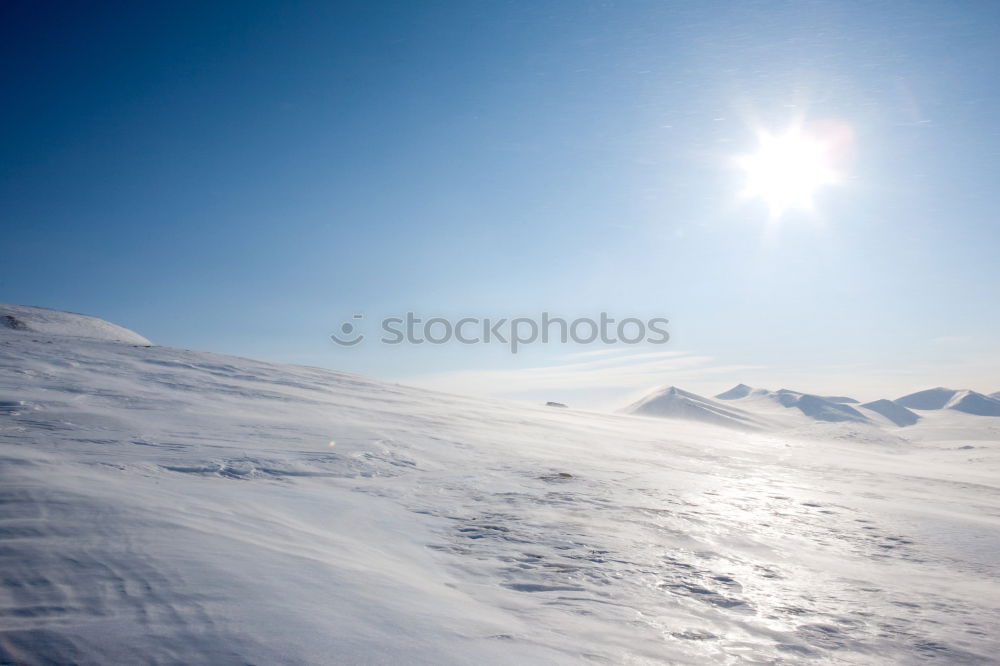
x=748, y=408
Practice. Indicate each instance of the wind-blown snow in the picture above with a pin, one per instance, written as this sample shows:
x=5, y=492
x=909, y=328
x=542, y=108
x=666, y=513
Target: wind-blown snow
x=168, y=506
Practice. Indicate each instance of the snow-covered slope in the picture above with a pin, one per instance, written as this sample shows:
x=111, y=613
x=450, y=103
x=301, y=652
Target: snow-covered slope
x=29, y=319
x=673, y=402
x=823, y=409
x=935, y=398
x=161, y=506
x=841, y=398
x=895, y=413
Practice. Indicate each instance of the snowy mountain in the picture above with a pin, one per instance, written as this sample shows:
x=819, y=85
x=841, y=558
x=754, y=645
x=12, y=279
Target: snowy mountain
x=966, y=401
x=164, y=506
x=763, y=402
x=673, y=402
x=823, y=409
x=814, y=407
x=935, y=398
x=972, y=402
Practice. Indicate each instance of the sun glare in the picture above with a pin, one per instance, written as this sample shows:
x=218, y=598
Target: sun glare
x=787, y=170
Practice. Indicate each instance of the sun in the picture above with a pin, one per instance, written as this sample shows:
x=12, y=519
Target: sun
x=788, y=169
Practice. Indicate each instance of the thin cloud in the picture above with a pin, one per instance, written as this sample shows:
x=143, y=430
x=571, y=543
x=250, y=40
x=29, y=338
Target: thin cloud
x=624, y=374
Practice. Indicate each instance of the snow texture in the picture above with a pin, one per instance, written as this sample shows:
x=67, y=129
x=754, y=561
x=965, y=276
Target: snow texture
x=162, y=506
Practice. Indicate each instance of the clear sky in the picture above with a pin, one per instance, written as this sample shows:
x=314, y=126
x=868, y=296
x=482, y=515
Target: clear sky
x=242, y=177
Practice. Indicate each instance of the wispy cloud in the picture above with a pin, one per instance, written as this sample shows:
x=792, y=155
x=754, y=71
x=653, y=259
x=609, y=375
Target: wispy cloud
x=612, y=377
x=604, y=374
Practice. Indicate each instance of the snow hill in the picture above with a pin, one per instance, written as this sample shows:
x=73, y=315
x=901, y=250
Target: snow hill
x=935, y=398
x=676, y=403
x=776, y=404
x=164, y=506
x=746, y=406
x=54, y=322
x=966, y=401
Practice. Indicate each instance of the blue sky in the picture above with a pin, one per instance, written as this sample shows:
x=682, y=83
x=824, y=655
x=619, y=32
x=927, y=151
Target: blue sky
x=242, y=177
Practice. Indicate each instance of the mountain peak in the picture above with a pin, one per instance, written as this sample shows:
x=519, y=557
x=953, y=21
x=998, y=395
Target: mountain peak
x=735, y=393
